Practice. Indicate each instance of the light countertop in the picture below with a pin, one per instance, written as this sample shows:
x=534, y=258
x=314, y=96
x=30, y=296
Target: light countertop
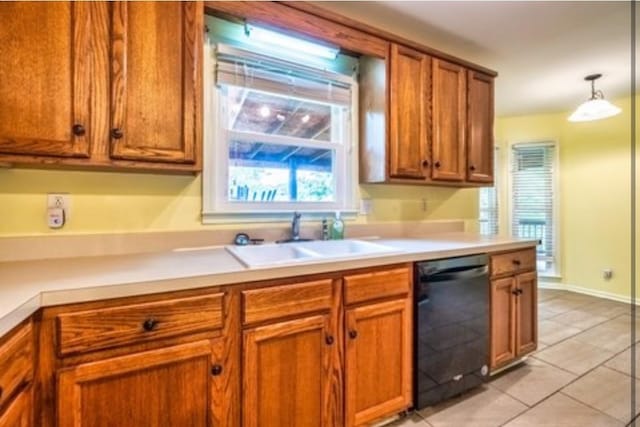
x=25, y=286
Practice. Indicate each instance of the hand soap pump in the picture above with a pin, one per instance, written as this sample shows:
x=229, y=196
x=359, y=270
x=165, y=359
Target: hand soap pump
x=337, y=228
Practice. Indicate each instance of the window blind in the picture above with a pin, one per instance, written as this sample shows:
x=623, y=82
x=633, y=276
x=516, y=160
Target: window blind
x=532, y=172
x=489, y=204
x=239, y=67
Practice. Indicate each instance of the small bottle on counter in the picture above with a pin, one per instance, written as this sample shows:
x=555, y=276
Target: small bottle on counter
x=325, y=229
x=337, y=228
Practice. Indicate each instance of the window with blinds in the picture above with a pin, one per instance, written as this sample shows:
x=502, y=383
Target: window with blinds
x=488, y=210
x=283, y=134
x=532, y=198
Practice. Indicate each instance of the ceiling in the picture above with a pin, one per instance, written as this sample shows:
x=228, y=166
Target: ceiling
x=541, y=50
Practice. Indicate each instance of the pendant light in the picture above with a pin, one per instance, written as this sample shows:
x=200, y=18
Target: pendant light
x=596, y=107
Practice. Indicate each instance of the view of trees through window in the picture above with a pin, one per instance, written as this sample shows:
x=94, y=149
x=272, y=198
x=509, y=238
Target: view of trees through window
x=265, y=184
x=278, y=148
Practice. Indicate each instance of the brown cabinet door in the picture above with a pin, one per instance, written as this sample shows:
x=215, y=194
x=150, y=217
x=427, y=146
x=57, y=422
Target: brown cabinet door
x=409, y=113
x=165, y=387
x=287, y=374
x=480, y=127
x=449, y=121
x=156, y=51
x=45, y=78
x=503, y=321
x=526, y=313
x=378, y=361
x=19, y=411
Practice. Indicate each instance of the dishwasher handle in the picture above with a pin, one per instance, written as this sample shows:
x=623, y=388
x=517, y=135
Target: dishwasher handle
x=454, y=273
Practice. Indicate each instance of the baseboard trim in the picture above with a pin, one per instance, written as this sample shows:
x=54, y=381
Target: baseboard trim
x=587, y=291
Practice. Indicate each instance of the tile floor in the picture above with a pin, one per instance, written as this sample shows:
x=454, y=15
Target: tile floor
x=580, y=376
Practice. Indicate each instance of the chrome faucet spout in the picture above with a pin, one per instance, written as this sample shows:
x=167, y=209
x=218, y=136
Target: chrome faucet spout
x=295, y=226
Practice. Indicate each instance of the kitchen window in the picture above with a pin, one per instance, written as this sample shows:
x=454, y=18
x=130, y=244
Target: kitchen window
x=488, y=200
x=281, y=137
x=533, y=201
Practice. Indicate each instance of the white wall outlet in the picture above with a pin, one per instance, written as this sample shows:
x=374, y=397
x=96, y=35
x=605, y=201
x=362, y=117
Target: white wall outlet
x=58, y=209
x=366, y=206
x=607, y=274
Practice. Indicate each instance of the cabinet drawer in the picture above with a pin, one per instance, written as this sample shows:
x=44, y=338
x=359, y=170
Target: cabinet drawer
x=513, y=262
x=375, y=285
x=286, y=300
x=103, y=328
x=16, y=362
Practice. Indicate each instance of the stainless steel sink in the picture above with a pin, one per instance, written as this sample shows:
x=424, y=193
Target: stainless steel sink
x=277, y=254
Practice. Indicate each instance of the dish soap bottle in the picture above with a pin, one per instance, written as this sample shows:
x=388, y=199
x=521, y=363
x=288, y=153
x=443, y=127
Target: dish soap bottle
x=337, y=228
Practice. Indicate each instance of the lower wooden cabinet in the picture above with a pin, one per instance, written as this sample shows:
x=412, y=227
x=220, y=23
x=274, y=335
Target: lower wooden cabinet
x=294, y=365
x=16, y=377
x=165, y=387
x=286, y=373
x=514, y=303
x=257, y=355
x=503, y=324
x=378, y=360
x=526, y=313
x=19, y=412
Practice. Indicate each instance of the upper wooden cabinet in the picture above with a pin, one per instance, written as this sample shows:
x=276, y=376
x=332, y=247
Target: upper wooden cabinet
x=102, y=85
x=479, y=127
x=155, y=80
x=449, y=121
x=45, y=78
x=409, y=89
x=440, y=122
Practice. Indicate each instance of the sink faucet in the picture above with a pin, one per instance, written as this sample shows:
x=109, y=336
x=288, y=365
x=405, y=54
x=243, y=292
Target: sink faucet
x=295, y=226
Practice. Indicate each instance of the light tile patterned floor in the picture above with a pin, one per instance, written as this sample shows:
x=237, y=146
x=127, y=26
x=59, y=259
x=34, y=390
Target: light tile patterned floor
x=579, y=377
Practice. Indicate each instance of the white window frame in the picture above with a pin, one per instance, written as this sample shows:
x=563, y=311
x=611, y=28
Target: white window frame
x=215, y=206
x=497, y=163
x=555, y=271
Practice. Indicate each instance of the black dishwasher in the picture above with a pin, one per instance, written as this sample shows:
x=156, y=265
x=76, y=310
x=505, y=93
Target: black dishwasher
x=451, y=328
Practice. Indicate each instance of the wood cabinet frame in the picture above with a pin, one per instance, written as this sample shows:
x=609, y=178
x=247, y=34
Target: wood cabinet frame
x=78, y=143
x=402, y=400
x=413, y=167
x=93, y=105
x=449, y=155
x=480, y=147
x=98, y=150
x=517, y=309
x=253, y=338
x=389, y=293
x=191, y=64
x=71, y=380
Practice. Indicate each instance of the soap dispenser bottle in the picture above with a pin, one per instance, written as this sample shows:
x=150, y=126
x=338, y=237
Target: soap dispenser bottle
x=337, y=228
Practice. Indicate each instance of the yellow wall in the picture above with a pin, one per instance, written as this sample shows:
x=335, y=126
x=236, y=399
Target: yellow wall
x=103, y=202
x=594, y=192
x=121, y=202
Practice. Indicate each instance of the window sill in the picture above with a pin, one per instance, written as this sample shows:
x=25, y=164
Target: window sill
x=272, y=216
